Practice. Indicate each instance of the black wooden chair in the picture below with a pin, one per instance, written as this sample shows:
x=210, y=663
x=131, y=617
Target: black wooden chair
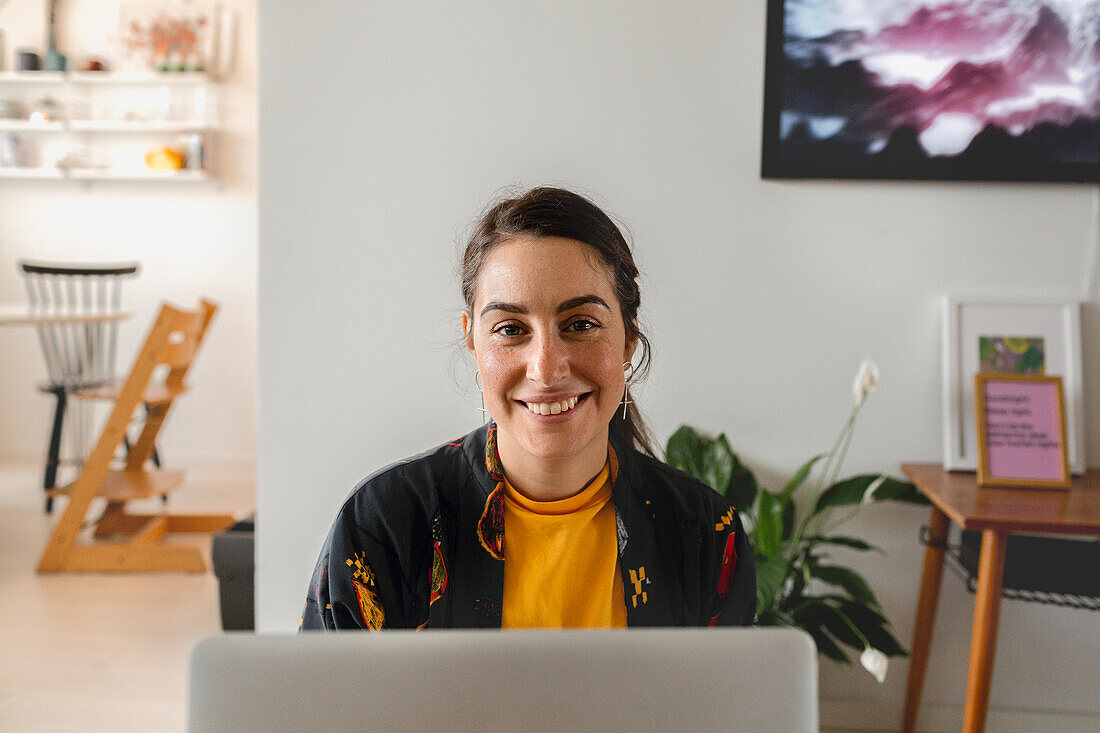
x=80, y=308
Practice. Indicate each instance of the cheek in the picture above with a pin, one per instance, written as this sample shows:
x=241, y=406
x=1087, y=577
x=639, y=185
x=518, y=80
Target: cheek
x=497, y=370
x=606, y=368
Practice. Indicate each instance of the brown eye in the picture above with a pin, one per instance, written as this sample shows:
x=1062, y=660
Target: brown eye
x=581, y=325
x=508, y=329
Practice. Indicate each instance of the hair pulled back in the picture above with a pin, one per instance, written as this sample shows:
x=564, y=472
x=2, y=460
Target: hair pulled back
x=556, y=212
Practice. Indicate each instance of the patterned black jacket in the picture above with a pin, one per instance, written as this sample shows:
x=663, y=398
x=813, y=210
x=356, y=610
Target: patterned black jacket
x=421, y=544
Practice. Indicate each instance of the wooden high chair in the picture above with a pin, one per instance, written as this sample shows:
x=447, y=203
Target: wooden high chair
x=123, y=541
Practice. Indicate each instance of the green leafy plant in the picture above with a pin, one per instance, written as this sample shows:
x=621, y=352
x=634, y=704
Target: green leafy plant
x=791, y=532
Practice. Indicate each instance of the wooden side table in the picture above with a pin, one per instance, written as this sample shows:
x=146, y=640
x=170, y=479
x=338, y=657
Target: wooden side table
x=996, y=513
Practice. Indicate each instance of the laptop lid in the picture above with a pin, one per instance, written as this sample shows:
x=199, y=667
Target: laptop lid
x=753, y=679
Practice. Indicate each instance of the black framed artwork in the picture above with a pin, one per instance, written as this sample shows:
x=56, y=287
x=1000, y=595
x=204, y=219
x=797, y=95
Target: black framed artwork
x=996, y=90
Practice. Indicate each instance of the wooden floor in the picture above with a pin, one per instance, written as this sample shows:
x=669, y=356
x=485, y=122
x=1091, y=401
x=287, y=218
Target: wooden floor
x=100, y=652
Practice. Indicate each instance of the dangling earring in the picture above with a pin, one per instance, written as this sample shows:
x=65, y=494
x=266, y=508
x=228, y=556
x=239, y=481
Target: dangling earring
x=628, y=372
x=477, y=381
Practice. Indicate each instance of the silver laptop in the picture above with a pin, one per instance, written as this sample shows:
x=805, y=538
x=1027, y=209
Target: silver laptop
x=634, y=680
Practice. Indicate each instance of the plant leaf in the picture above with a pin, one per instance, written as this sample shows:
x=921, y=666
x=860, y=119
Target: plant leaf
x=874, y=626
x=831, y=612
x=851, y=491
x=685, y=451
x=788, y=517
x=712, y=461
x=776, y=617
x=826, y=646
x=800, y=476
x=769, y=523
x=810, y=616
x=742, y=487
x=847, y=579
x=771, y=573
x=834, y=621
x=718, y=464
x=853, y=542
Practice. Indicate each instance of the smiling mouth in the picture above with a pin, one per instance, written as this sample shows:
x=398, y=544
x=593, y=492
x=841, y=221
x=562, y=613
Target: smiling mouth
x=554, y=408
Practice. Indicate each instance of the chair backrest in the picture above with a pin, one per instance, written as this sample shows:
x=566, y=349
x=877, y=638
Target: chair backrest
x=78, y=353
x=750, y=680
x=164, y=359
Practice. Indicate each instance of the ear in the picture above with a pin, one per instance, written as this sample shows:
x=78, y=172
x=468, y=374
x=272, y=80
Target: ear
x=468, y=330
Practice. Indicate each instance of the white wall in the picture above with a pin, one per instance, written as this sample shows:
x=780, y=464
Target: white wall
x=385, y=127
x=191, y=240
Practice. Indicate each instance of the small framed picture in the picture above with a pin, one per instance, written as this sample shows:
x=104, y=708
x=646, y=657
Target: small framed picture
x=1006, y=337
x=1021, y=427
x=155, y=35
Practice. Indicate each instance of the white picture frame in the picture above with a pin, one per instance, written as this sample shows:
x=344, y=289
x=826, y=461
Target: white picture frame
x=174, y=35
x=965, y=322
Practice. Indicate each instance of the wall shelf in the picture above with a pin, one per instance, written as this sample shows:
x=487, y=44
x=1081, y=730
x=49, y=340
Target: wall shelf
x=105, y=77
x=32, y=173
x=97, y=174
x=32, y=77
x=27, y=126
x=106, y=126
x=141, y=126
x=109, y=121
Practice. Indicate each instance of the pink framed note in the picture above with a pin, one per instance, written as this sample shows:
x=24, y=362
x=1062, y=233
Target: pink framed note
x=1021, y=429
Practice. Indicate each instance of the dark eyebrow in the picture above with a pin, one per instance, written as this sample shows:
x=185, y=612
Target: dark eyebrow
x=570, y=304
x=582, y=300
x=507, y=307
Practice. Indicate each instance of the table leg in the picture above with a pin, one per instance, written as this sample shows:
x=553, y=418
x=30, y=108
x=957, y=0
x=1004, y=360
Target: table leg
x=926, y=615
x=987, y=612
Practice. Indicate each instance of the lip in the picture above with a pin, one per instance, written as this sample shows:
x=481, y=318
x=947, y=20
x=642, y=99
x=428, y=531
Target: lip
x=559, y=397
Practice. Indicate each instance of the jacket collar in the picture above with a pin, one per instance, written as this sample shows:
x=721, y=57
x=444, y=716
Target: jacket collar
x=480, y=449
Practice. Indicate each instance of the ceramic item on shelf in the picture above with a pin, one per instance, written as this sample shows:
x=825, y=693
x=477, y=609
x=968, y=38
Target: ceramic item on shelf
x=28, y=61
x=45, y=109
x=13, y=152
x=56, y=61
x=75, y=156
x=12, y=110
x=195, y=146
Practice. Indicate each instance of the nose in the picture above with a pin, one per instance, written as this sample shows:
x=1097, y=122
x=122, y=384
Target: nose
x=548, y=362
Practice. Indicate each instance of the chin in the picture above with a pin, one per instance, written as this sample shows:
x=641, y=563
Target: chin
x=551, y=446
x=550, y=450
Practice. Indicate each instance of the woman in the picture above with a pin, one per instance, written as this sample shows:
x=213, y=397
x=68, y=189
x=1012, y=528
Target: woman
x=556, y=513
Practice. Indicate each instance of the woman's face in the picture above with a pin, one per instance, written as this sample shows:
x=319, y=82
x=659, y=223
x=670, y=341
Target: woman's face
x=549, y=340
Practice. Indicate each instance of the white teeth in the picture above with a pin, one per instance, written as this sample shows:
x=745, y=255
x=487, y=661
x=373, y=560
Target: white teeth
x=552, y=408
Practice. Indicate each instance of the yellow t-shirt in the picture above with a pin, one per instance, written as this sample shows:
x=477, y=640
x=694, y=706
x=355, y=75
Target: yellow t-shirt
x=561, y=560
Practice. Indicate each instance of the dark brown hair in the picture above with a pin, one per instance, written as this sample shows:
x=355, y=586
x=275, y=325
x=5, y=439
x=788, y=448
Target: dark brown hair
x=556, y=212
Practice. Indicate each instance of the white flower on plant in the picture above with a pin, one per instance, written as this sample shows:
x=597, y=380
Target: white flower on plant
x=865, y=382
x=869, y=494
x=874, y=662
